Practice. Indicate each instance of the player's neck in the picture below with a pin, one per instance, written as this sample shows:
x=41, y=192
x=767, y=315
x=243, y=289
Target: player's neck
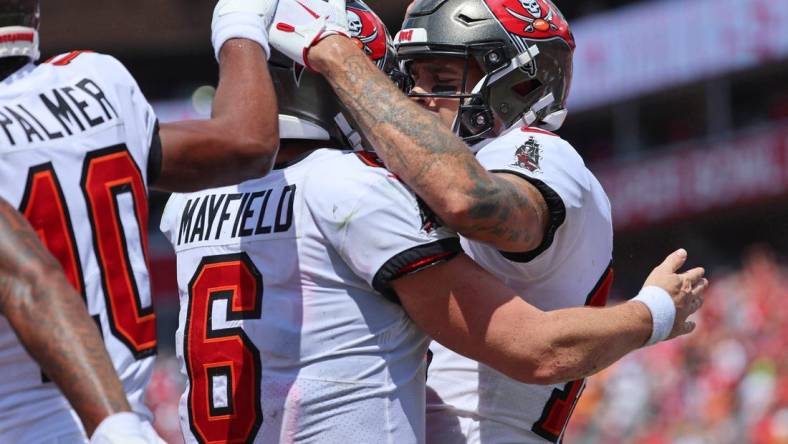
x=11, y=65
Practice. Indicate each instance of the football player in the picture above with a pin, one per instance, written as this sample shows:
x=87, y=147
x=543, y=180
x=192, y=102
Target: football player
x=50, y=320
x=307, y=295
x=79, y=146
x=491, y=79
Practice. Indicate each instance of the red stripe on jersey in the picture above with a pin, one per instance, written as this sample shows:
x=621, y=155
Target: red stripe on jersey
x=17, y=37
x=370, y=159
x=66, y=59
x=530, y=129
x=598, y=297
x=422, y=262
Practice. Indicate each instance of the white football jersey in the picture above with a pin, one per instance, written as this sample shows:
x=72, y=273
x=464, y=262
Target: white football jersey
x=288, y=329
x=470, y=402
x=75, y=141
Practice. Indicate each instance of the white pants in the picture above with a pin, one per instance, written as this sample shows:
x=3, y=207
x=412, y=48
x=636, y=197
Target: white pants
x=447, y=427
x=72, y=438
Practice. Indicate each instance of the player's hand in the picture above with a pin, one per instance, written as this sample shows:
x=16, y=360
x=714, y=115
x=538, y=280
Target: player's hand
x=300, y=24
x=125, y=428
x=243, y=19
x=686, y=289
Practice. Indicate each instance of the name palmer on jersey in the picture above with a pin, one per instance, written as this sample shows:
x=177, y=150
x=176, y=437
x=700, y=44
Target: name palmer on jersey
x=56, y=113
x=225, y=216
x=77, y=139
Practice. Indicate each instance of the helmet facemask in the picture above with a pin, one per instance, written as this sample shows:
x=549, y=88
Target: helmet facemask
x=501, y=82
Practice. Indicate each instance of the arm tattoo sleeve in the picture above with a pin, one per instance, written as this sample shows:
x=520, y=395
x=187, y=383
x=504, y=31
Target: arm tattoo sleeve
x=52, y=323
x=427, y=155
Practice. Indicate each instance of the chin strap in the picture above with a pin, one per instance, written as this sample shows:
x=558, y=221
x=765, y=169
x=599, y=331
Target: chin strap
x=19, y=41
x=554, y=120
x=352, y=136
x=530, y=116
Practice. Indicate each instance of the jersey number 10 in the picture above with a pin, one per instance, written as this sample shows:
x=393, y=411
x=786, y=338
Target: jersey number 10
x=106, y=174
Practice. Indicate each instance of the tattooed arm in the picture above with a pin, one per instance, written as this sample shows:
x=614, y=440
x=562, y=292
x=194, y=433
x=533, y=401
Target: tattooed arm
x=500, y=209
x=51, y=321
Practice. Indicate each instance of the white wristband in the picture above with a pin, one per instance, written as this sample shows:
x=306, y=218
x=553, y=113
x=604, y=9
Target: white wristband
x=239, y=25
x=117, y=426
x=663, y=312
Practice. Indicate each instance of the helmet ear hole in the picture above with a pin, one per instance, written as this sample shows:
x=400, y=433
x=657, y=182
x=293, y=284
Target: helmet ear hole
x=494, y=59
x=522, y=89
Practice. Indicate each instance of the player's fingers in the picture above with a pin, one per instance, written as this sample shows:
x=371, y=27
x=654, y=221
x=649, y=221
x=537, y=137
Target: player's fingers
x=674, y=261
x=700, y=286
x=338, y=12
x=694, y=275
x=337, y=5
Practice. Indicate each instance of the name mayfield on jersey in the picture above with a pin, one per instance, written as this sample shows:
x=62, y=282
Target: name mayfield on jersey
x=288, y=329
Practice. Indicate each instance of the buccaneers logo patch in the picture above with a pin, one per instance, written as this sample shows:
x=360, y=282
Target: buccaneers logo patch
x=538, y=19
x=528, y=155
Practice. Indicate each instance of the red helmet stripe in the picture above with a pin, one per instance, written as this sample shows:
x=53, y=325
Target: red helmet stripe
x=17, y=37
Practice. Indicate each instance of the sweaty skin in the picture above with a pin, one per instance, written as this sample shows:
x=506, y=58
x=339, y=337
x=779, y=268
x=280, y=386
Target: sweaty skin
x=51, y=321
x=421, y=148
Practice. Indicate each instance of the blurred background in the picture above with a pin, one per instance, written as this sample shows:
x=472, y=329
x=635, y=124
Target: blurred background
x=681, y=109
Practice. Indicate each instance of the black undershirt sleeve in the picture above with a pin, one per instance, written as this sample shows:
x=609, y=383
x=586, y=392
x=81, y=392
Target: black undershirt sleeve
x=154, y=156
x=557, y=210
x=412, y=261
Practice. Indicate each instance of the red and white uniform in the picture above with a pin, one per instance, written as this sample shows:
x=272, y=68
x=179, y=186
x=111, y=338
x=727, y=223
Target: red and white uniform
x=470, y=402
x=75, y=142
x=288, y=330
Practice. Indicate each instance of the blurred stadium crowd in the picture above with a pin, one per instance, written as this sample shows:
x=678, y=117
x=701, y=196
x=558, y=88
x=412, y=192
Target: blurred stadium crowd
x=681, y=108
x=727, y=383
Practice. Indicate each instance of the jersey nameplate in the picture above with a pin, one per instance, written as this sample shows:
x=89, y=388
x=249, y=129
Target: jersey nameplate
x=55, y=113
x=222, y=217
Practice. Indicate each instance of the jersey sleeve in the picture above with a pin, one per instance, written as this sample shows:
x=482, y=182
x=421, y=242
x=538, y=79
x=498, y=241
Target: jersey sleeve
x=548, y=163
x=140, y=122
x=376, y=224
x=169, y=217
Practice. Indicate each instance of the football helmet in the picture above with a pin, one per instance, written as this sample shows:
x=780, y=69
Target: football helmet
x=308, y=107
x=523, y=47
x=19, y=28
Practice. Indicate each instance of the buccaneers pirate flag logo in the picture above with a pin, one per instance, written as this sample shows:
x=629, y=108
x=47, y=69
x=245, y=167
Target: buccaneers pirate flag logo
x=536, y=19
x=369, y=33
